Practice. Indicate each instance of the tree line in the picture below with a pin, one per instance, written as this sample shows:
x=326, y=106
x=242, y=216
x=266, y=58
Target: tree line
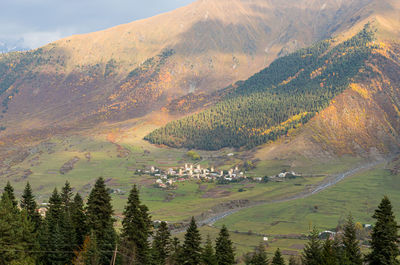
x=74, y=233
x=282, y=97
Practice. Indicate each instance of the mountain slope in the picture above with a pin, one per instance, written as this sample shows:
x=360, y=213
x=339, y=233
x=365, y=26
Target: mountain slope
x=132, y=69
x=276, y=100
x=358, y=79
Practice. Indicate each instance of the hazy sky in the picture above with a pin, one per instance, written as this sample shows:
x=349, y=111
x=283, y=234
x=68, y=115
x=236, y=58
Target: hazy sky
x=41, y=21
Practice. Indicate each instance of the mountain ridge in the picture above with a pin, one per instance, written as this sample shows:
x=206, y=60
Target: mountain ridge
x=214, y=46
x=88, y=80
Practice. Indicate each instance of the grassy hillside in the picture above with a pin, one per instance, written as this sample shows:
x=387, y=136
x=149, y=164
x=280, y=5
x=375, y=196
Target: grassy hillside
x=269, y=104
x=358, y=195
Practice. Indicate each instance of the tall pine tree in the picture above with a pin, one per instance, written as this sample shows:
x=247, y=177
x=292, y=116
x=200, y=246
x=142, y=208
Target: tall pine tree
x=52, y=237
x=208, y=255
x=29, y=204
x=100, y=221
x=224, y=251
x=136, y=229
x=67, y=228
x=9, y=191
x=278, y=259
x=384, y=237
x=66, y=195
x=352, y=251
x=328, y=254
x=161, y=247
x=17, y=236
x=191, y=249
x=78, y=218
x=312, y=253
x=258, y=257
x=176, y=250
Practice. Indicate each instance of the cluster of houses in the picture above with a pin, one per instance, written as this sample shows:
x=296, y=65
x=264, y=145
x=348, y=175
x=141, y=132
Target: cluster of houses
x=167, y=178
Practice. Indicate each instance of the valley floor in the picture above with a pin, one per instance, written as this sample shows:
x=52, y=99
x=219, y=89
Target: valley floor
x=282, y=211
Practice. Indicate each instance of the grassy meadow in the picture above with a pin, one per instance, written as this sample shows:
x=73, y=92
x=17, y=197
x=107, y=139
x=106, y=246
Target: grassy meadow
x=115, y=157
x=358, y=195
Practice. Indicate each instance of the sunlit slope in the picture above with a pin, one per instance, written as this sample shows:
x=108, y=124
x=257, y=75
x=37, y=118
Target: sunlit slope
x=131, y=69
x=276, y=100
x=348, y=91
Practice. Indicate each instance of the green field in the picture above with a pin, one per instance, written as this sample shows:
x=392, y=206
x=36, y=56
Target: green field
x=117, y=161
x=358, y=195
x=245, y=242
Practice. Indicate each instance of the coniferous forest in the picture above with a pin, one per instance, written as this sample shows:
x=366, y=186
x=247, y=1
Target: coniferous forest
x=269, y=104
x=83, y=233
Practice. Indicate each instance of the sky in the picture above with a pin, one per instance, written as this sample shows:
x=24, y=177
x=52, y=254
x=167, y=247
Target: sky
x=38, y=22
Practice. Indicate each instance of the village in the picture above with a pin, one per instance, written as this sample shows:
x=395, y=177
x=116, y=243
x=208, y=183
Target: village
x=167, y=178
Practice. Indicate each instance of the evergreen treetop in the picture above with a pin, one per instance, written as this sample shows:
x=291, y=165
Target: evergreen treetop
x=9, y=191
x=17, y=236
x=259, y=257
x=278, y=259
x=78, y=219
x=136, y=228
x=352, y=250
x=208, y=255
x=66, y=195
x=99, y=213
x=29, y=204
x=384, y=237
x=191, y=249
x=161, y=246
x=224, y=251
x=312, y=253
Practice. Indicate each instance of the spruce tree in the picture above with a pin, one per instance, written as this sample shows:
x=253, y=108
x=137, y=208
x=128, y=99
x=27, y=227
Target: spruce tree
x=328, y=254
x=259, y=257
x=191, y=249
x=54, y=239
x=99, y=219
x=9, y=191
x=384, y=237
x=352, y=250
x=67, y=231
x=224, y=251
x=67, y=228
x=176, y=250
x=66, y=195
x=17, y=237
x=55, y=248
x=208, y=255
x=338, y=251
x=161, y=247
x=312, y=253
x=29, y=204
x=54, y=211
x=78, y=218
x=278, y=259
x=28, y=240
x=136, y=229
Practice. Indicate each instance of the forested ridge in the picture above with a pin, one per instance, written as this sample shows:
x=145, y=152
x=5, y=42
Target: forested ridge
x=269, y=104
